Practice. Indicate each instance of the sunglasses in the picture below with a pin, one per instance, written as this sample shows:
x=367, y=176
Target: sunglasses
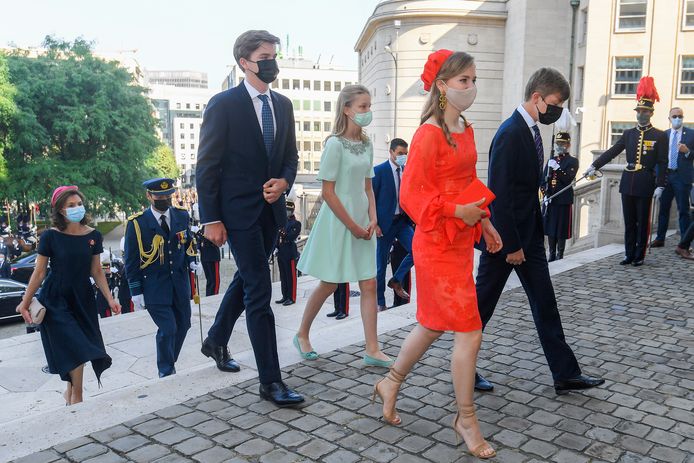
x=676, y=117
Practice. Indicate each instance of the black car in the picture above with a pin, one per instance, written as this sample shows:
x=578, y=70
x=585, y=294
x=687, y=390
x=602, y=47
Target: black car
x=11, y=293
x=22, y=267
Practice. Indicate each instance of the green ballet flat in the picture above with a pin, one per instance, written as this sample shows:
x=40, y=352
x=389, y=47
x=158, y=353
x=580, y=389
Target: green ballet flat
x=374, y=362
x=312, y=355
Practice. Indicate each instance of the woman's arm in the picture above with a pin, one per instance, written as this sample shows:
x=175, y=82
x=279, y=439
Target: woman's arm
x=98, y=274
x=373, y=220
x=331, y=199
x=35, y=281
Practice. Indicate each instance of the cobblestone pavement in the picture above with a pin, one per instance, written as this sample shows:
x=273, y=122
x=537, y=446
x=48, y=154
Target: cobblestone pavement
x=631, y=325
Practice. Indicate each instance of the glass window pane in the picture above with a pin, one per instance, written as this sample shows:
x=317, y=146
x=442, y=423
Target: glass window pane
x=687, y=76
x=338, y=86
x=307, y=85
x=316, y=146
x=296, y=84
x=627, y=75
x=307, y=126
x=316, y=105
x=285, y=84
x=316, y=84
x=326, y=106
x=307, y=146
x=327, y=126
x=327, y=85
x=307, y=105
x=296, y=104
x=316, y=126
x=616, y=130
x=632, y=14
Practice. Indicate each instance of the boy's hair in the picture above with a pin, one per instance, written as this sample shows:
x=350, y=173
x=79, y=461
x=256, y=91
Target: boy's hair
x=547, y=81
x=250, y=41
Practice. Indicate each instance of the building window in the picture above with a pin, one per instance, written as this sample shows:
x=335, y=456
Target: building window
x=192, y=136
x=307, y=126
x=178, y=105
x=296, y=104
x=307, y=165
x=617, y=129
x=187, y=105
x=687, y=75
x=307, y=105
x=580, y=72
x=316, y=146
x=348, y=83
x=316, y=105
x=192, y=156
x=316, y=84
x=326, y=126
x=275, y=84
x=627, y=73
x=192, y=126
x=296, y=84
x=327, y=85
x=316, y=166
x=338, y=86
x=192, y=146
x=285, y=84
x=182, y=125
x=307, y=85
x=689, y=14
x=632, y=15
x=316, y=126
x=183, y=146
x=584, y=26
x=326, y=106
x=197, y=106
x=183, y=135
x=307, y=146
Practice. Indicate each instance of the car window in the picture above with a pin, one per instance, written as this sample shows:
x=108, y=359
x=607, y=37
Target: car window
x=10, y=287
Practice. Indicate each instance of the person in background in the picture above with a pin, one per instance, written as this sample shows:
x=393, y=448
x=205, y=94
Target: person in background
x=287, y=255
x=70, y=331
x=341, y=302
x=210, y=258
x=397, y=255
x=5, y=269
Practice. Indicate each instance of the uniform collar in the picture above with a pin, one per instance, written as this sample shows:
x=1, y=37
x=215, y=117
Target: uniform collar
x=157, y=215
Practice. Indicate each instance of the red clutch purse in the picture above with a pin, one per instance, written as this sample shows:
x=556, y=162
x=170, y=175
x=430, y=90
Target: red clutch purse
x=475, y=191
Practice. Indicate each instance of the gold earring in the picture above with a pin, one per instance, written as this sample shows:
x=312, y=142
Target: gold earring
x=442, y=101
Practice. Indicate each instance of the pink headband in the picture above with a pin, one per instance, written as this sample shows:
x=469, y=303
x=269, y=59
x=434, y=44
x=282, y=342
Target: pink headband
x=59, y=190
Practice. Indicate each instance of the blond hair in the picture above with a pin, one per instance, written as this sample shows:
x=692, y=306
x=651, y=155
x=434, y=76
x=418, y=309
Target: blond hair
x=347, y=96
x=454, y=65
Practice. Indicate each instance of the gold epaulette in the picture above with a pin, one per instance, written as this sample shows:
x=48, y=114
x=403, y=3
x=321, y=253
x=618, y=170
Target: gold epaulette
x=137, y=214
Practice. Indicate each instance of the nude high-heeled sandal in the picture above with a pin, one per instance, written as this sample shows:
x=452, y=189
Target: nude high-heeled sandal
x=468, y=411
x=395, y=376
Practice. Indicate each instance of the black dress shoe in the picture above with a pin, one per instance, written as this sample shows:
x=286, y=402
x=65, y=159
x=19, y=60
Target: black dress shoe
x=334, y=313
x=340, y=316
x=580, y=382
x=288, y=302
x=279, y=394
x=626, y=261
x=482, y=384
x=221, y=356
x=637, y=263
x=281, y=301
x=657, y=243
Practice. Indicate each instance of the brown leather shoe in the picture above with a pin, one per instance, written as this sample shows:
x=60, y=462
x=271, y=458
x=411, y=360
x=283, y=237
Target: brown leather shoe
x=397, y=287
x=684, y=253
x=657, y=244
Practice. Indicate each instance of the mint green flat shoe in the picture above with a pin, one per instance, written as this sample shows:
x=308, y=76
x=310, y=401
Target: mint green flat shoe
x=374, y=362
x=313, y=355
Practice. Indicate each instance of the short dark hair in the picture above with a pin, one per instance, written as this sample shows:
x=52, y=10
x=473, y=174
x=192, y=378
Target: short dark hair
x=58, y=220
x=250, y=41
x=547, y=81
x=395, y=142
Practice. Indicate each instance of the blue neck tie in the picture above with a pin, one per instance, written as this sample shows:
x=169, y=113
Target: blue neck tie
x=538, y=147
x=672, y=163
x=268, y=125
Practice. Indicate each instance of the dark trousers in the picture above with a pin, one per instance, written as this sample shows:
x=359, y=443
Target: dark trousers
x=173, y=322
x=211, y=270
x=287, y=267
x=341, y=298
x=397, y=256
x=492, y=275
x=403, y=232
x=679, y=191
x=637, y=211
x=687, y=238
x=251, y=290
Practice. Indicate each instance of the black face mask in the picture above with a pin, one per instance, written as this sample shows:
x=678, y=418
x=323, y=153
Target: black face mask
x=550, y=116
x=267, y=70
x=162, y=205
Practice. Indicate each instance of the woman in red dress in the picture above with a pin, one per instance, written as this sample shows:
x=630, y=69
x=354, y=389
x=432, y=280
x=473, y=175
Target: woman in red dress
x=440, y=166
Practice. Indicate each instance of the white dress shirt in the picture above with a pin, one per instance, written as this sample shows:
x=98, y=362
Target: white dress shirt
x=393, y=168
x=528, y=120
x=258, y=104
x=157, y=216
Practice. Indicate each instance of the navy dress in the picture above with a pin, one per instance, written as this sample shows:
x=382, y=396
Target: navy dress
x=70, y=330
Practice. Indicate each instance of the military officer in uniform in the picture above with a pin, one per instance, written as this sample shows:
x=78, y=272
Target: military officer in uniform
x=287, y=255
x=210, y=257
x=646, y=147
x=159, y=252
x=559, y=173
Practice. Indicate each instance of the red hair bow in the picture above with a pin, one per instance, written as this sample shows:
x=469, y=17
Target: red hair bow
x=433, y=65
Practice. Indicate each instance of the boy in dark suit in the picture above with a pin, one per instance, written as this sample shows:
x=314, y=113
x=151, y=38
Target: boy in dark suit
x=516, y=160
x=247, y=161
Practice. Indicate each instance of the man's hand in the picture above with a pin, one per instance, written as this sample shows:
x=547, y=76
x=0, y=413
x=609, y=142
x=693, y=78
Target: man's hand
x=379, y=232
x=553, y=164
x=139, y=301
x=216, y=233
x=682, y=148
x=658, y=192
x=516, y=258
x=590, y=172
x=194, y=266
x=273, y=188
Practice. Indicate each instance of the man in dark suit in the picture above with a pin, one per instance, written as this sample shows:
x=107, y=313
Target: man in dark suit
x=393, y=223
x=516, y=160
x=643, y=179
x=159, y=253
x=210, y=257
x=287, y=255
x=247, y=161
x=678, y=184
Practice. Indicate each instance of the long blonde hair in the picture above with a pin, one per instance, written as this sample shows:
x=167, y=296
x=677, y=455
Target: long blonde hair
x=454, y=65
x=347, y=96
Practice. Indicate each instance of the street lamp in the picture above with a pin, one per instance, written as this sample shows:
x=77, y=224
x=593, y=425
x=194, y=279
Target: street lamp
x=395, y=89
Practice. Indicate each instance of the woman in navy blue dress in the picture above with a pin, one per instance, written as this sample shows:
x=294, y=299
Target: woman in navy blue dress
x=70, y=330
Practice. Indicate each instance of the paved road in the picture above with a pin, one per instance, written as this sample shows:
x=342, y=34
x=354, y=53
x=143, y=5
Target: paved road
x=631, y=325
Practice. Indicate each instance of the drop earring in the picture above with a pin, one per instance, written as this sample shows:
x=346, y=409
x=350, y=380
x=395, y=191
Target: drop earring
x=443, y=101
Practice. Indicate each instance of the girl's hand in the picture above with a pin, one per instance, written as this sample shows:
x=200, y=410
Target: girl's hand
x=115, y=307
x=491, y=237
x=471, y=213
x=23, y=309
x=372, y=228
x=359, y=232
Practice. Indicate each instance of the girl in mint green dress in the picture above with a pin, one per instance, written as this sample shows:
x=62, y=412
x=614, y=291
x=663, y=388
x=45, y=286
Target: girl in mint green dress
x=341, y=246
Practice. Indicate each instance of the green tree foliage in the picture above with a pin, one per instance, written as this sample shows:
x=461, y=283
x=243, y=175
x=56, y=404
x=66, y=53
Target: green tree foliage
x=7, y=112
x=80, y=120
x=163, y=162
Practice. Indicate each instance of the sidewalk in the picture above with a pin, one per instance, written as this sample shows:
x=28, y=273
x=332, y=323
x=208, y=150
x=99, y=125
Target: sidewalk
x=639, y=337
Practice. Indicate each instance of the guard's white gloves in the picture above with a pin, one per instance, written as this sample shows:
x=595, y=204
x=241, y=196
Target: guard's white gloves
x=658, y=192
x=139, y=302
x=590, y=172
x=553, y=164
x=194, y=266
